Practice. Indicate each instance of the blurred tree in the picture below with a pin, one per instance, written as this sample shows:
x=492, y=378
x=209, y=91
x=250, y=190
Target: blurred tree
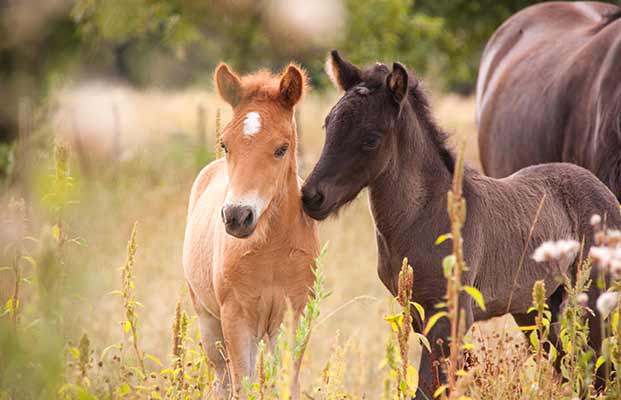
x=186, y=38
x=34, y=47
x=173, y=43
x=469, y=25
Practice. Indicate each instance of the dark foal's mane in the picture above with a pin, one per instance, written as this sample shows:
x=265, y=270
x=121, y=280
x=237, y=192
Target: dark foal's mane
x=374, y=78
x=438, y=137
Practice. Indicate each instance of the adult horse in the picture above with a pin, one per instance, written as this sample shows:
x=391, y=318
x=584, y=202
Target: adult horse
x=249, y=248
x=549, y=89
x=380, y=135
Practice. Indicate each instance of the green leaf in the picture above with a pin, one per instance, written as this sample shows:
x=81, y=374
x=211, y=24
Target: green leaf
x=422, y=339
x=124, y=390
x=31, y=260
x=476, y=295
x=527, y=328
x=439, y=391
x=420, y=309
x=127, y=326
x=395, y=321
x=56, y=232
x=600, y=361
x=412, y=379
x=534, y=339
x=107, y=349
x=154, y=359
x=432, y=321
x=442, y=238
x=75, y=352
x=447, y=265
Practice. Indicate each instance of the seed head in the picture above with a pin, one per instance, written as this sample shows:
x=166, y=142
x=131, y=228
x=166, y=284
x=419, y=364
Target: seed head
x=606, y=302
x=561, y=249
x=539, y=294
x=582, y=299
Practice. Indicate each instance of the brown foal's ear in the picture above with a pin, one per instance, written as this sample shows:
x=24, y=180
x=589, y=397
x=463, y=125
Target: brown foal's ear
x=343, y=74
x=397, y=82
x=292, y=85
x=228, y=84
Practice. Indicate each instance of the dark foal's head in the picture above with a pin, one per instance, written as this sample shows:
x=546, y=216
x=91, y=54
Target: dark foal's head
x=362, y=132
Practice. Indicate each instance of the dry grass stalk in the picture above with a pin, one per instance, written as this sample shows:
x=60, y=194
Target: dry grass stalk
x=129, y=301
x=457, y=214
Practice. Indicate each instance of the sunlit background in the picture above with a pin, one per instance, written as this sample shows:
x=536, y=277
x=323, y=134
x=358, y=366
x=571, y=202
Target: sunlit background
x=127, y=86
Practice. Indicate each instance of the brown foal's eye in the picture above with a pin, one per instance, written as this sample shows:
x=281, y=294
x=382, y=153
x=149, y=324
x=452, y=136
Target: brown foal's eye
x=223, y=146
x=280, y=152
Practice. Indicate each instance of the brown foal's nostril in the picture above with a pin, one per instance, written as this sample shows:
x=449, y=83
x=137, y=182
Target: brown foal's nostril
x=238, y=220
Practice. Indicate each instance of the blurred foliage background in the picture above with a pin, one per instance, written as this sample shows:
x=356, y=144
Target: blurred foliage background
x=177, y=43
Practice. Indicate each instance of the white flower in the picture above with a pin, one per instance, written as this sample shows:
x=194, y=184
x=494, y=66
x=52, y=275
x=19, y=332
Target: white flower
x=551, y=250
x=615, y=268
x=596, y=219
x=606, y=302
x=601, y=255
x=614, y=237
x=582, y=299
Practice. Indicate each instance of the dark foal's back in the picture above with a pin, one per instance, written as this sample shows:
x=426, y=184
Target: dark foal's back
x=381, y=135
x=549, y=89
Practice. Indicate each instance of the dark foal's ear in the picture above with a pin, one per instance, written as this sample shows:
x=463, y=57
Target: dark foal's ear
x=292, y=85
x=228, y=84
x=397, y=82
x=343, y=74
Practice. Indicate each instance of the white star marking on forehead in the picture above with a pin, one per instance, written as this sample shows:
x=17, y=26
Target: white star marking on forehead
x=252, y=123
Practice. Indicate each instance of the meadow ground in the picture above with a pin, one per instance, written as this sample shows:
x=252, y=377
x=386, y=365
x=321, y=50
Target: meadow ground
x=151, y=185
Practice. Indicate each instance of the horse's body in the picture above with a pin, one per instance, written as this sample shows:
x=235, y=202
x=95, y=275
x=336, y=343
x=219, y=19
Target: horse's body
x=380, y=135
x=249, y=248
x=549, y=89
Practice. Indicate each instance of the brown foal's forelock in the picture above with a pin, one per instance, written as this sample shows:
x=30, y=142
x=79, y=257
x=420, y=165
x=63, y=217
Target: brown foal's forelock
x=381, y=135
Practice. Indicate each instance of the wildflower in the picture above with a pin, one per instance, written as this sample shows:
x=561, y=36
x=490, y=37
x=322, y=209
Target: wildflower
x=550, y=250
x=601, y=256
x=614, y=237
x=606, y=302
x=615, y=268
x=582, y=299
x=596, y=220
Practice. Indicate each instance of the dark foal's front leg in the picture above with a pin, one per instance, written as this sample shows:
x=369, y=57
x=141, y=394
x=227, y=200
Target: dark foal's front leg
x=431, y=372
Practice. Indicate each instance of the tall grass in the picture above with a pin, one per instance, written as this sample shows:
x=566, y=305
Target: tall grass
x=44, y=353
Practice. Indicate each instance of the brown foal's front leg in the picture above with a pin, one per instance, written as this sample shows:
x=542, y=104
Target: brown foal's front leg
x=241, y=345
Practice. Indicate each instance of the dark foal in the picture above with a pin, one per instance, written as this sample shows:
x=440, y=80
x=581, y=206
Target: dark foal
x=380, y=135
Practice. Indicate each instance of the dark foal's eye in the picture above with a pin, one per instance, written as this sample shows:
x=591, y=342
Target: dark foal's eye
x=371, y=141
x=280, y=152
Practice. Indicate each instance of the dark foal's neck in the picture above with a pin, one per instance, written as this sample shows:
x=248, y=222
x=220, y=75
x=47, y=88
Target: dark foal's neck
x=414, y=186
